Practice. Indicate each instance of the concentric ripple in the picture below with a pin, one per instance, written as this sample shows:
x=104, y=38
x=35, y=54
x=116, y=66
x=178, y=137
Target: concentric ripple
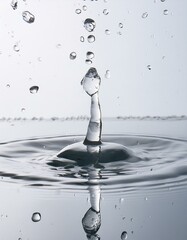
x=159, y=163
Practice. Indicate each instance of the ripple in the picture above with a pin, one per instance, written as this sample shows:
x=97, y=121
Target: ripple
x=159, y=163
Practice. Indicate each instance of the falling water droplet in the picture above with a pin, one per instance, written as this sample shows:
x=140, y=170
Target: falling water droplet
x=82, y=39
x=124, y=235
x=89, y=24
x=72, y=55
x=90, y=55
x=36, y=217
x=16, y=47
x=105, y=12
x=34, y=89
x=14, y=4
x=78, y=11
x=91, y=38
x=107, y=74
x=145, y=15
x=107, y=32
x=166, y=12
x=28, y=17
x=121, y=25
x=84, y=8
x=149, y=67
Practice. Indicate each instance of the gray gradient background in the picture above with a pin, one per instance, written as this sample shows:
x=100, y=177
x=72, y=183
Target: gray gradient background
x=159, y=40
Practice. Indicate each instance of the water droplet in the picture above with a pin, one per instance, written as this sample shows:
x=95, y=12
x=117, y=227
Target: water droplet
x=90, y=55
x=14, y=4
x=28, y=17
x=91, y=38
x=16, y=47
x=23, y=110
x=82, y=39
x=19, y=239
x=149, y=67
x=59, y=45
x=166, y=12
x=91, y=82
x=121, y=200
x=107, y=74
x=121, y=25
x=107, y=31
x=72, y=55
x=8, y=85
x=34, y=89
x=124, y=235
x=84, y=8
x=145, y=15
x=162, y=0
x=105, y=12
x=36, y=217
x=78, y=11
x=89, y=24
x=131, y=219
x=88, y=61
x=39, y=59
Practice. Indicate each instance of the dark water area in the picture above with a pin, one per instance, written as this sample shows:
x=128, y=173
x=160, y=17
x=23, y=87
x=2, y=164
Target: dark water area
x=47, y=197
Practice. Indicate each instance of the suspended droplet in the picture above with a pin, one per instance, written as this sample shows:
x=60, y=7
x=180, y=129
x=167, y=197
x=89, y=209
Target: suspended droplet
x=89, y=24
x=78, y=11
x=28, y=17
x=107, y=32
x=91, y=38
x=107, y=74
x=34, y=89
x=88, y=61
x=144, y=15
x=105, y=12
x=124, y=235
x=72, y=55
x=91, y=82
x=36, y=217
x=121, y=25
x=14, y=4
x=84, y=8
x=82, y=39
x=16, y=47
x=90, y=55
x=166, y=12
x=149, y=67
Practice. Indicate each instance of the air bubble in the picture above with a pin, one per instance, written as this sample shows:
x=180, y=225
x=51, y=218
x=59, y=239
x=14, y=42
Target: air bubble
x=36, y=217
x=166, y=12
x=105, y=12
x=14, y=4
x=72, y=55
x=145, y=15
x=78, y=11
x=34, y=89
x=107, y=32
x=89, y=24
x=90, y=55
x=28, y=17
x=91, y=38
x=16, y=47
x=82, y=39
x=107, y=74
x=124, y=235
x=121, y=25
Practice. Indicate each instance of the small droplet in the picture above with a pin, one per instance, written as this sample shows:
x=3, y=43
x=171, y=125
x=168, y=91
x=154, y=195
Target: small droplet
x=23, y=110
x=107, y=74
x=149, y=67
x=89, y=24
x=28, y=17
x=91, y=38
x=82, y=39
x=90, y=55
x=59, y=45
x=36, y=217
x=107, y=32
x=16, y=47
x=124, y=235
x=121, y=25
x=19, y=239
x=145, y=198
x=14, y=4
x=72, y=55
x=78, y=11
x=145, y=15
x=88, y=61
x=131, y=219
x=8, y=85
x=84, y=8
x=105, y=12
x=166, y=12
x=34, y=89
x=162, y=0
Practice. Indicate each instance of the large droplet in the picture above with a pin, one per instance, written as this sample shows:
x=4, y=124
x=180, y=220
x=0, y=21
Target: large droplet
x=124, y=235
x=36, y=217
x=72, y=55
x=14, y=4
x=91, y=82
x=28, y=17
x=89, y=24
x=91, y=38
x=90, y=55
x=34, y=89
x=91, y=221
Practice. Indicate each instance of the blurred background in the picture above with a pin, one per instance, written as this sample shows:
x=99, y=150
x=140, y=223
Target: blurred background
x=140, y=53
